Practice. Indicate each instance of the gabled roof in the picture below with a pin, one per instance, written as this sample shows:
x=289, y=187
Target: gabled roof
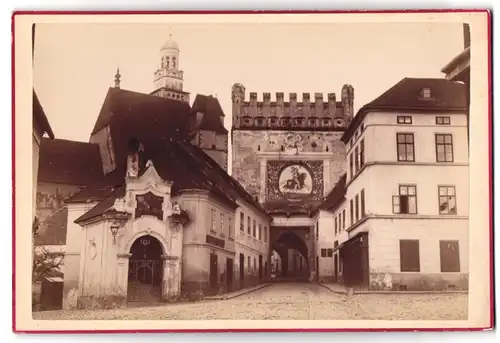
x=69, y=162
x=123, y=103
x=447, y=96
x=335, y=197
x=53, y=229
x=212, y=113
x=102, y=206
x=39, y=117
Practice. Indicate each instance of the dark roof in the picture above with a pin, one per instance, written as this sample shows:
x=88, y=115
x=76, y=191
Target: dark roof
x=92, y=193
x=336, y=195
x=102, y=206
x=125, y=103
x=69, y=162
x=213, y=115
x=447, y=96
x=39, y=117
x=52, y=230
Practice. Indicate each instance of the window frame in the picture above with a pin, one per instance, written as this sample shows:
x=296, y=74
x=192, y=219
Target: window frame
x=440, y=120
x=404, y=120
x=362, y=203
x=398, y=197
x=242, y=222
x=405, y=144
x=454, y=196
x=444, y=144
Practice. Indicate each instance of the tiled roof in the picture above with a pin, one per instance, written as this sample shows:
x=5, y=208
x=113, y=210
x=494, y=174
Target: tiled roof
x=336, y=195
x=102, y=206
x=52, y=230
x=447, y=96
x=69, y=162
x=125, y=103
x=40, y=118
x=212, y=113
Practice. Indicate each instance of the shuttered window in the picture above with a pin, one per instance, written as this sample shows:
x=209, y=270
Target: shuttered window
x=450, y=256
x=409, y=252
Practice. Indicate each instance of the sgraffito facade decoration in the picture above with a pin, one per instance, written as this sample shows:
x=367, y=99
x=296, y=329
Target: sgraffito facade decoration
x=294, y=181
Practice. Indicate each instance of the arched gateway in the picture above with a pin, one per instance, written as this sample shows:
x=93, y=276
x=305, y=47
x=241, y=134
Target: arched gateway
x=145, y=271
x=291, y=245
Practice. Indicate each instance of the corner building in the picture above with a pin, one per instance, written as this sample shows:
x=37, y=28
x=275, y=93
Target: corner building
x=402, y=214
x=288, y=155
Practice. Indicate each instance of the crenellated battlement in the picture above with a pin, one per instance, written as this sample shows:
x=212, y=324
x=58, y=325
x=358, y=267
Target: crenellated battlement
x=261, y=112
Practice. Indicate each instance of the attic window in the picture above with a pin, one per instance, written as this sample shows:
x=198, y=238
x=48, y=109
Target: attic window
x=425, y=93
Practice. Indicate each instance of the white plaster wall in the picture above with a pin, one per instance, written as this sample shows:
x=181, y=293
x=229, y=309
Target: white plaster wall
x=384, y=236
x=74, y=245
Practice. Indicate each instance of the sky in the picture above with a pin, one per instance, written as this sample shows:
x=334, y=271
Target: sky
x=75, y=64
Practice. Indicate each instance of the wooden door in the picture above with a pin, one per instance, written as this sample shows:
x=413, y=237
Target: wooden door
x=213, y=273
x=229, y=274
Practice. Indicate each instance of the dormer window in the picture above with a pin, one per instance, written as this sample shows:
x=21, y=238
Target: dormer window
x=425, y=93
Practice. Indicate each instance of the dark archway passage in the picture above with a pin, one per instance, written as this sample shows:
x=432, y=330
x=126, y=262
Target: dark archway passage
x=145, y=271
x=293, y=255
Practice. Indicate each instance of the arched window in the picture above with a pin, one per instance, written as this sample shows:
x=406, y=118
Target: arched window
x=174, y=60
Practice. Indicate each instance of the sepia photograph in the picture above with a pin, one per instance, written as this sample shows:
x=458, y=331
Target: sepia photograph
x=306, y=168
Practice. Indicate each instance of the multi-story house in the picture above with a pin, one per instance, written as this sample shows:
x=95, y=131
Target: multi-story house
x=407, y=190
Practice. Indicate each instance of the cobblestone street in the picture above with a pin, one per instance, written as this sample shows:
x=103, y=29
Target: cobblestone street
x=282, y=301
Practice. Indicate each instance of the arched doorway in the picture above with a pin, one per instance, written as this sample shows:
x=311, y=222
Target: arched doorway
x=292, y=253
x=145, y=270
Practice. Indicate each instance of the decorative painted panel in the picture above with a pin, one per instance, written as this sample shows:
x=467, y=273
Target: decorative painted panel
x=294, y=180
x=149, y=205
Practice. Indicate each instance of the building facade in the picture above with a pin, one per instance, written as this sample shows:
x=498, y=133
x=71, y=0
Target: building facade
x=407, y=190
x=145, y=211
x=288, y=155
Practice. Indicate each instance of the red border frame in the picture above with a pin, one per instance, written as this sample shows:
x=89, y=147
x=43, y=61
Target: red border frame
x=490, y=150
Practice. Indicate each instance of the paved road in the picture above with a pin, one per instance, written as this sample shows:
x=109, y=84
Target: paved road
x=282, y=301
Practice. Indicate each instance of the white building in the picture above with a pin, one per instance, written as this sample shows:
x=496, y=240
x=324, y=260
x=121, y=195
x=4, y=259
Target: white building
x=406, y=190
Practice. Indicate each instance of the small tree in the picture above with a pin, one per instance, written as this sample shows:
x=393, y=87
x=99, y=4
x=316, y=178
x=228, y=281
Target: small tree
x=45, y=262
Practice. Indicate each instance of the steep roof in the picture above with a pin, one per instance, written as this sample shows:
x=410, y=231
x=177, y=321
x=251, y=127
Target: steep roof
x=39, y=117
x=69, y=162
x=335, y=197
x=447, y=96
x=212, y=113
x=125, y=103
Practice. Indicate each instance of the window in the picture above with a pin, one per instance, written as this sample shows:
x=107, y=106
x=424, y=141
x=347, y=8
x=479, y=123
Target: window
x=212, y=218
x=343, y=219
x=260, y=232
x=352, y=212
x=249, y=227
x=254, y=264
x=404, y=120
x=242, y=222
x=329, y=252
x=323, y=252
x=356, y=161
x=317, y=230
x=249, y=264
x=444, y=148
x=363, y=211
x=356, y=206
x=351, y=166
x=254, y=231
x=265, y=234
x=222, y=222
x=230, y=225
x=425, y=93
x=406, y=147
x=443, y=121
x=362, y=153
x=450, y=256
x=409, y=255
x=406, y=201
x=336, y=227
x=447, y=200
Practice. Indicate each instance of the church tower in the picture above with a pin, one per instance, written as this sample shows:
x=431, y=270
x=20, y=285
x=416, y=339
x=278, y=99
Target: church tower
x=168, y=78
